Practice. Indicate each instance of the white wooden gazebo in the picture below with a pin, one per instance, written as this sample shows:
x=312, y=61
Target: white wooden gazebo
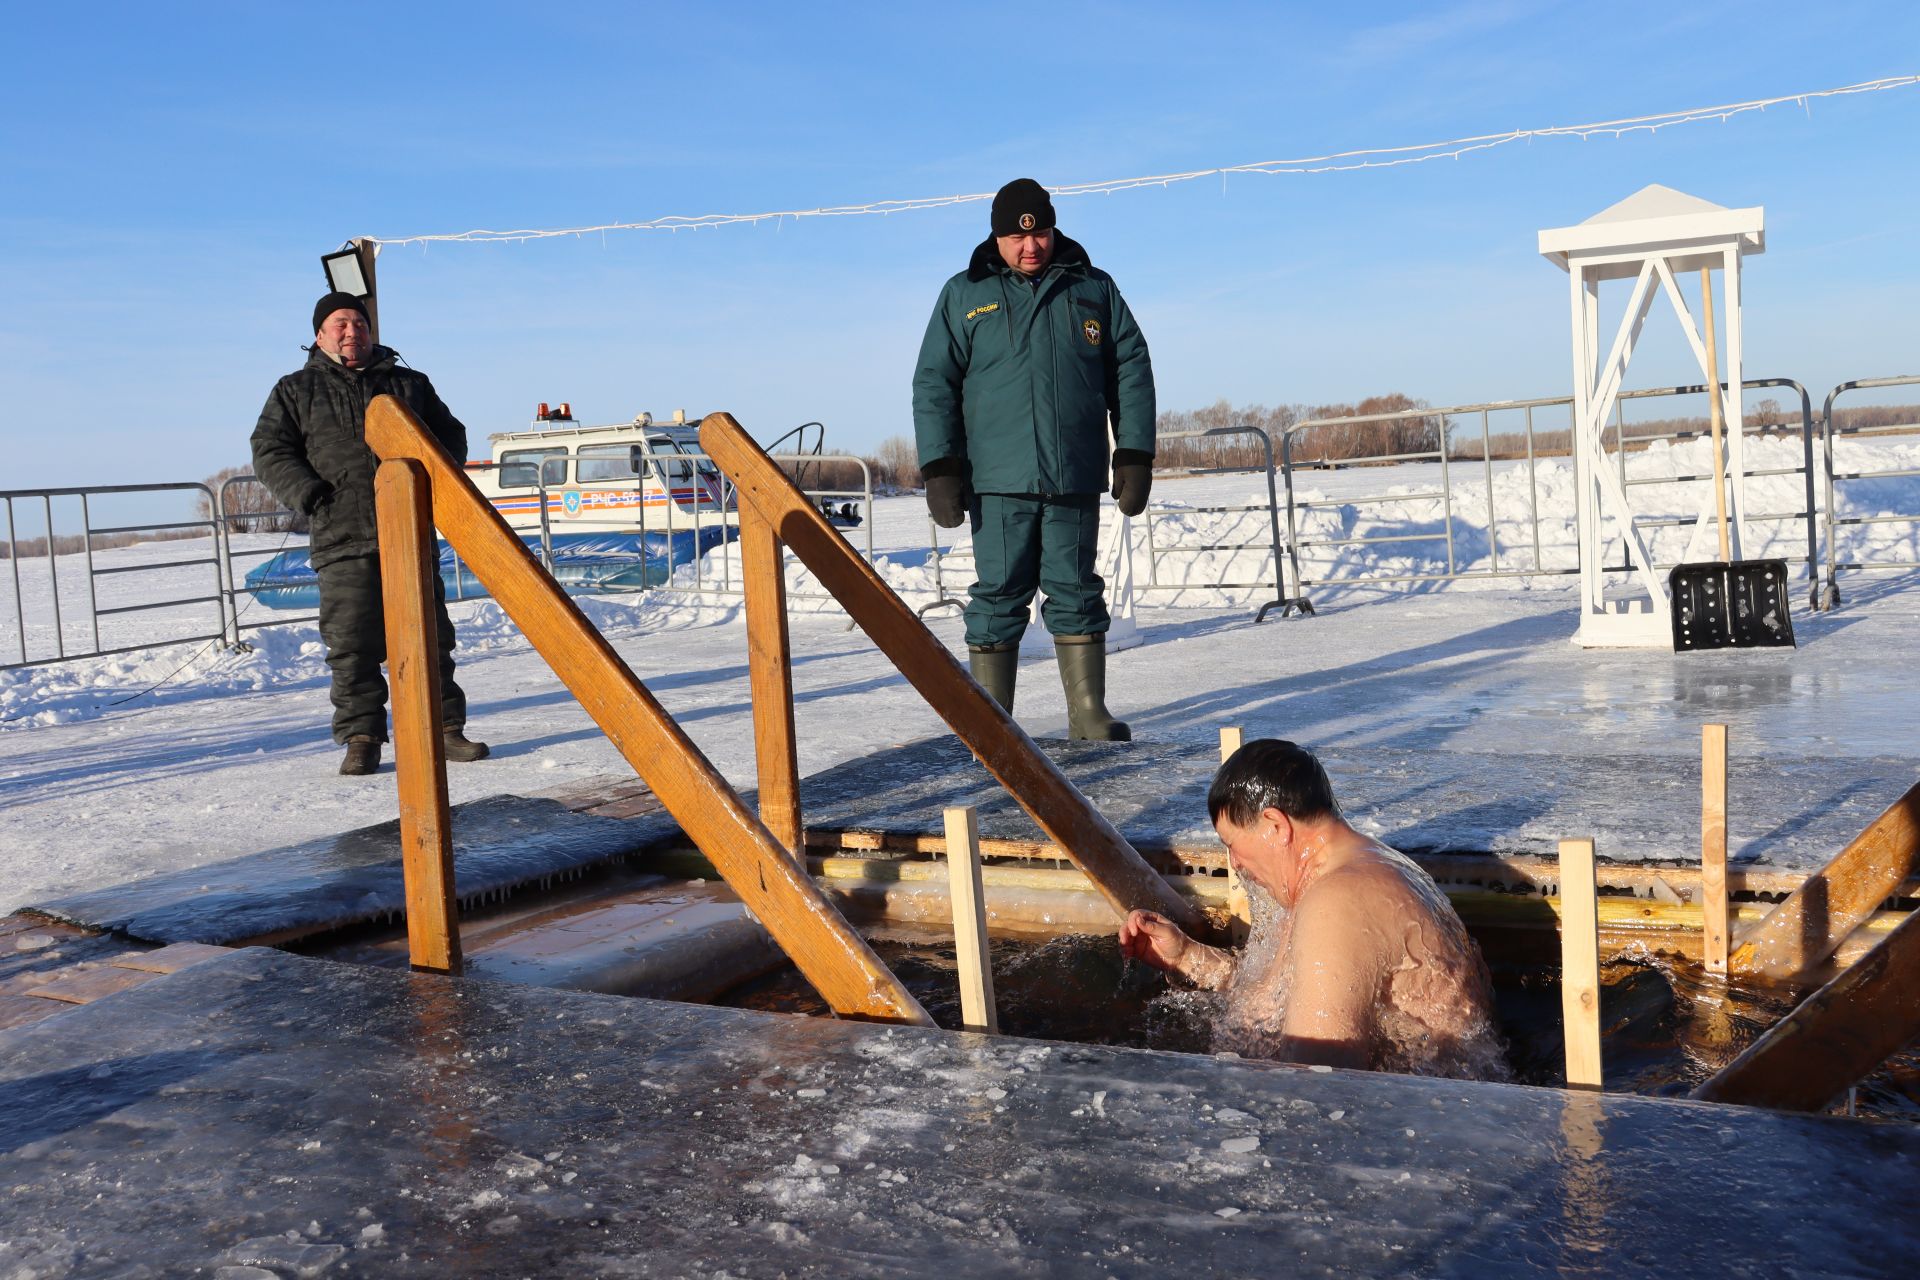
x=1650, y=238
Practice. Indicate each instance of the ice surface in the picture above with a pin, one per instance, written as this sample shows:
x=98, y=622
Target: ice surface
x=1453, y=718
x=167, y=1129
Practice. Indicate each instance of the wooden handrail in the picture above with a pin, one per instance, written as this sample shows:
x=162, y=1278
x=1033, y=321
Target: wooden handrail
x=1799, y=935
x=1114, y=866
x=772, y=883
x=1835, y=1037
x=404, y=518
x=770, y=679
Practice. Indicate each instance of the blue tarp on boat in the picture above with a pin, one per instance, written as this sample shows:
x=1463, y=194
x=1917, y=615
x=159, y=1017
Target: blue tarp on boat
x=582, y=562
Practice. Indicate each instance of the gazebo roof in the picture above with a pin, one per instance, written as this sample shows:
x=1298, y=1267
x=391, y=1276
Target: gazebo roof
x=1657, y=220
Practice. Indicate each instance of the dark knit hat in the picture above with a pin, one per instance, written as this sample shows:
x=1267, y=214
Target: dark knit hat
x=337, y=302
x=1022, y=207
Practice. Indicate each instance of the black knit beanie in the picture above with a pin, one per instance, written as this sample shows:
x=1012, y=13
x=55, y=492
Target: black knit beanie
x=1022, y=207
x=335, y=302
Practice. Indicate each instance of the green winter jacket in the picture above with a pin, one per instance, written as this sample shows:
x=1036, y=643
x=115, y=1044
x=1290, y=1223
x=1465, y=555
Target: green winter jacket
x=1017, y=381
x=310, y=449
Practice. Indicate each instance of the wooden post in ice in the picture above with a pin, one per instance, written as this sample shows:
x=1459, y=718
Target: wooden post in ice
x=969, y=921
x=1237, y=905
x=1713, y=847
x=403, y=512
x=1580, y=964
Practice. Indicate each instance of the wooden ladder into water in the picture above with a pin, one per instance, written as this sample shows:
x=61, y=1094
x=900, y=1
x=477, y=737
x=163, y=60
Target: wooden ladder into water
x=762, y=858
x=1850, y=1026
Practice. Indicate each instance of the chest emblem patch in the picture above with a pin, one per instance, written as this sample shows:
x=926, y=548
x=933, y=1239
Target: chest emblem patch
x=1090, y=330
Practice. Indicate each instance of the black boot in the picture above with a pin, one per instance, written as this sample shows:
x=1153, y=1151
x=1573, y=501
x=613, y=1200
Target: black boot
x=994, y=670
x=457, y=748
x=1083, y=672
x=362, y=758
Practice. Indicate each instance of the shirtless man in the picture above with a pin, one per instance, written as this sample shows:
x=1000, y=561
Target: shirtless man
x=1356, y=959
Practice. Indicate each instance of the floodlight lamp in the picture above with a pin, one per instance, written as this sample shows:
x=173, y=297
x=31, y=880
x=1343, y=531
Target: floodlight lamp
x=343, y=272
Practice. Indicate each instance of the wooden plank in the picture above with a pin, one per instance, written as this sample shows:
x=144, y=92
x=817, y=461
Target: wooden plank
x=1800, y=933
x=1513, y=871
x=1837, y=1035
x=977, y=1011
x=1238, y=907
x=1123, y=877
x=18, y=1011
x=822, y=945
x=770, y=680
x=1713, y=845
x=1580, y=964
x=85, y=985
x=409, y=570
x=172, y=958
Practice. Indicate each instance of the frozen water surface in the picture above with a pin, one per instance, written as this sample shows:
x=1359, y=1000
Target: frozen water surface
x=1458, y=718
x=304, y=1117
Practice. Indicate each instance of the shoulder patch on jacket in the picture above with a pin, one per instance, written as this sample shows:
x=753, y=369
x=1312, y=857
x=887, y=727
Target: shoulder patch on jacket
x=983, y=310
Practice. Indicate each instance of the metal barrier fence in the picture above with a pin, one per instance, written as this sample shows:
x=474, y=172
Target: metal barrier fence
x=1530, y=558
x=88, y=535
x=1274, y=545
x=1837, y=478
x=1520, y=554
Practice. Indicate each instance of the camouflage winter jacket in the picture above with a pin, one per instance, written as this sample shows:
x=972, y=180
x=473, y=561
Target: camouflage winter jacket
x=310, y=450
x=1018, y=380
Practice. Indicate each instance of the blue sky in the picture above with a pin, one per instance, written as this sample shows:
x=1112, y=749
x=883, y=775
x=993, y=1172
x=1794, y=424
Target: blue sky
x=173, y=173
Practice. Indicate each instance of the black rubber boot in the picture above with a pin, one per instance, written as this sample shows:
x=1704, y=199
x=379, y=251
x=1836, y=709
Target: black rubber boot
x=994, y=670
x=459, y=749
x=362, y=758
x=1083, y=672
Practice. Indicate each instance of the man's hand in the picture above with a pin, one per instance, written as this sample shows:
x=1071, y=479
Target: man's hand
x=947, y=495
x=1132, y=480
x=1145, y=935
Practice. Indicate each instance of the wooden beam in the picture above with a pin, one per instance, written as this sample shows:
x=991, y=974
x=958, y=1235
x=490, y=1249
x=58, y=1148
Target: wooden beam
x=1580, y=964
x=1713, y=845
x=971, y=953
x=1798, y=935
x=822, y=945
x=770, y=680
x=409, y=568
x=1122, y=876
x=1836, y=1037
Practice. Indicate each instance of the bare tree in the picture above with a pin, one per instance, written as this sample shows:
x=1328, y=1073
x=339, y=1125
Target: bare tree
x=250, y=508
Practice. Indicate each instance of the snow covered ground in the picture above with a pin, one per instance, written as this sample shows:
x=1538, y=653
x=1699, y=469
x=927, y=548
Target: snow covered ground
x=104, y=776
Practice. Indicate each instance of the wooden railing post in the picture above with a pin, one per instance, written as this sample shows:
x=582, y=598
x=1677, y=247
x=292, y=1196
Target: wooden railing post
x=970, y=946
x=1115, y=867
x=1580, y=964
x=1713, y=846
x=409, y=567
x=772, y=885
x=1238, y=907
x=770, y=680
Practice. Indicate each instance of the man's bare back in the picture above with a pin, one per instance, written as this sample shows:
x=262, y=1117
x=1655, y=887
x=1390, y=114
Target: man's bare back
x=1355, y=959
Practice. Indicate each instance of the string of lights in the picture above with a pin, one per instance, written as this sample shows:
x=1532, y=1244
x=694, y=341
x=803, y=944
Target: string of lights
x=1333, y=162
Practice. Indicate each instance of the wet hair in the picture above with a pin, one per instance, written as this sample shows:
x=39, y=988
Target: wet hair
x=1269, y=773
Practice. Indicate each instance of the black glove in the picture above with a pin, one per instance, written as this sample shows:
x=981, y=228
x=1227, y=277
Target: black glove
x=1132, y=480
x=947, y=495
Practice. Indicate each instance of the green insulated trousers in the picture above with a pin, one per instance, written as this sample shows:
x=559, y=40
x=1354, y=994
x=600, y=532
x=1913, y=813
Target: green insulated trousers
x=354, y=628
x=1022, y=542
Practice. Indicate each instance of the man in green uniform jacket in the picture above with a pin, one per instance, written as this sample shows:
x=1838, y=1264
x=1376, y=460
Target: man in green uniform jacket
x=1030, y=354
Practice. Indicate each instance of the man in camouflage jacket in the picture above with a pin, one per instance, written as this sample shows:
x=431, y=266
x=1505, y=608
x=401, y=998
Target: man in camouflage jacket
x=309, y=449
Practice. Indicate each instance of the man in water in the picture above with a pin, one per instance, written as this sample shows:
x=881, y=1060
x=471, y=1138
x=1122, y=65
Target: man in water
x=1356, y=959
